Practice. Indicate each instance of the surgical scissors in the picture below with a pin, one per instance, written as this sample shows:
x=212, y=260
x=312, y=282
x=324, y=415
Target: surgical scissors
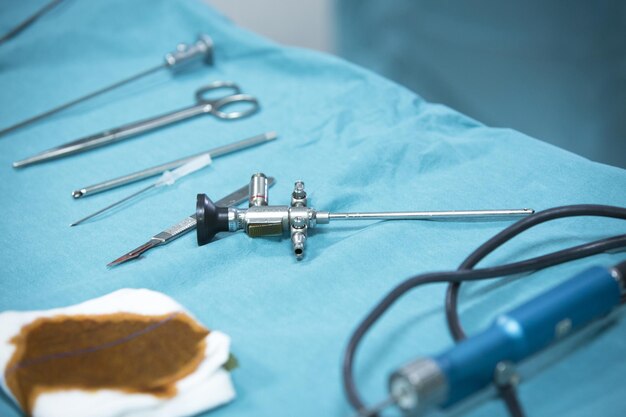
x=214, y=106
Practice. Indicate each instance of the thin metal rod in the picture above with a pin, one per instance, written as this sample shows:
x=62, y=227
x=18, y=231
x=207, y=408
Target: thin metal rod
x=118, y=202
x=80, y=100
x=432, y=215
x=150, y=172
x=29, y=21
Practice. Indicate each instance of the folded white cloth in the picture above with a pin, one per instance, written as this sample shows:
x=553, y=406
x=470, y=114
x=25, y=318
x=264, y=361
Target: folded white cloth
x=207, y=386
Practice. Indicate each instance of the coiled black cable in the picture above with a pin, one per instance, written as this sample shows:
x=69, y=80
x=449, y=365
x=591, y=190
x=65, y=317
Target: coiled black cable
x=508, y=392
x=466, y=273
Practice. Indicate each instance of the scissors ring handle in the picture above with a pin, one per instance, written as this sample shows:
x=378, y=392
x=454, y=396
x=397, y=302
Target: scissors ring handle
x=216, y=85
x=220, y=105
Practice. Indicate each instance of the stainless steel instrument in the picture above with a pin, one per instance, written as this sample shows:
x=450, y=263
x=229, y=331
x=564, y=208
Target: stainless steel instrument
x=213, y=106
x=261, y=219
x=201, y=50
x=159, y=169
x=167, y=178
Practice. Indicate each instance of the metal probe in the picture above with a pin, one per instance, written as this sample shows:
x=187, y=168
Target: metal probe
x=159, y=169
x=167, y=178
x=110, y=206
x=260, y=219
x=182, y=227
x=202, y=49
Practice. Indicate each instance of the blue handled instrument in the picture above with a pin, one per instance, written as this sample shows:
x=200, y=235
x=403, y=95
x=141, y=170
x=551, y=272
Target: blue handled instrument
x=470, y=366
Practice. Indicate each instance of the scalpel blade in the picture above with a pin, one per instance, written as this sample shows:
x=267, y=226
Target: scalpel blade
x=186, y=225
x=136, y=253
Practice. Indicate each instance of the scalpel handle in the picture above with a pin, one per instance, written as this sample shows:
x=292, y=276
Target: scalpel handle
x=186, y=225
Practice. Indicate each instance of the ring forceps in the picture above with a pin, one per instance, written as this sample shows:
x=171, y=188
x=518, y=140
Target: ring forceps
x=214, y=106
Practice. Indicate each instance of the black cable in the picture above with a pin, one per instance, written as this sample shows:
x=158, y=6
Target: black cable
x=577, y=252
x=508, y=392
x=29, y=21
x=532, y=264
x=507, y=234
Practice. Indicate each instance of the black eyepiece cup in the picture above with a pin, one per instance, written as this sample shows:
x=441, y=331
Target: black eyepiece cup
x=210, y=219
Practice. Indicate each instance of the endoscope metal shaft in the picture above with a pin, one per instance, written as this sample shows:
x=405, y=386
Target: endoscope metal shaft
x=201, y=49
x=261, y=219
x=428, y=215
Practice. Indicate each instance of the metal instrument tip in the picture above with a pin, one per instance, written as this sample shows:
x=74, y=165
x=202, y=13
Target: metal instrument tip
x=271, y=135
x=119, y=260
x=135, y=253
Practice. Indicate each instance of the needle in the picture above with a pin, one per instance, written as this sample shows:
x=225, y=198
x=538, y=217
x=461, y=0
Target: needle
x=168, y=178
x=110, y=206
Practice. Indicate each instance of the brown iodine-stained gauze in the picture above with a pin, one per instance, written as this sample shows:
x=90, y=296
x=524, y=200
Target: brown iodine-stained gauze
x=132, y=353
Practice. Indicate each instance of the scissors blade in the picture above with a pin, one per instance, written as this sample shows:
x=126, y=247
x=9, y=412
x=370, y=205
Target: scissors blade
x=182, y=227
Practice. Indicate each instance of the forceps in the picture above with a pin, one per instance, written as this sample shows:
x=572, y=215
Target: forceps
x=214, y=106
